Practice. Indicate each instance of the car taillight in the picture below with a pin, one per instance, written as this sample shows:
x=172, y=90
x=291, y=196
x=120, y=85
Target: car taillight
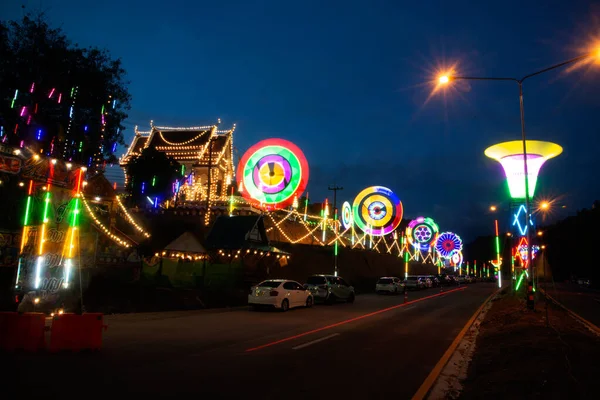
x=273, y=293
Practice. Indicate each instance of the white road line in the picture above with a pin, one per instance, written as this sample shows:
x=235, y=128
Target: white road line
x=410, y=308
x=315, y=341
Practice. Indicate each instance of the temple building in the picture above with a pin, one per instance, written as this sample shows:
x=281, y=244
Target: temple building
x=201, y=150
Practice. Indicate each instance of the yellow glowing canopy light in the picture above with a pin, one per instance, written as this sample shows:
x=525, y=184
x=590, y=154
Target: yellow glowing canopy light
x=510, y=156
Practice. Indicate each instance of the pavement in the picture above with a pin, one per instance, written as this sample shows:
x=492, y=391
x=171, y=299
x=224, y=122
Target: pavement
x=377, y=347
x=581, y=300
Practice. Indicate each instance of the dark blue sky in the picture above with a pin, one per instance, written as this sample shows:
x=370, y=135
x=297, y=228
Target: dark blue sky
x=346, y=81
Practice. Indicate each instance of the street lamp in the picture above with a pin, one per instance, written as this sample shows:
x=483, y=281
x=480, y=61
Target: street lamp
x=493, y=208
x=445, y=79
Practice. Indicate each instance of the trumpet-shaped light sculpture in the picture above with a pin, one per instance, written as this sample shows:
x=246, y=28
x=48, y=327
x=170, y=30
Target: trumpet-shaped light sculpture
x=510, y=155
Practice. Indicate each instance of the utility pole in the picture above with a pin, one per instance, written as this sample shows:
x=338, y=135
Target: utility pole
x=335, y=189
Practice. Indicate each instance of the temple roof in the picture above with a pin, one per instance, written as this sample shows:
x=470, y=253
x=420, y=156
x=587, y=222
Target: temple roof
x=184, y=144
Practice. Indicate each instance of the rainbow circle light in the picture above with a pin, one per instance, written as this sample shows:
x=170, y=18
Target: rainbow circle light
x=457, y=258
x=448, y=243
x=422, y=233
x=347, y=219
x=272, y=173
x=377, y=210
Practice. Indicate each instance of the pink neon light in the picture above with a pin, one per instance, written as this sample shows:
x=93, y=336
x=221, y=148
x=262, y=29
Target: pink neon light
x=51, y=93
x=23, y=111
x=59, y=97
x=32, y=87
x=515, y=174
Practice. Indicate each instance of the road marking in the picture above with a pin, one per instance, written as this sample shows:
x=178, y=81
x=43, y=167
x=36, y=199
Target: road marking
x=287, y=339
x=315, y=341
x=435, y=372
x=409, y=308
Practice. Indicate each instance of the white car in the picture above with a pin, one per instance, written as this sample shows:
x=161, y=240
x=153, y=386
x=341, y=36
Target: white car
x=281, y=294
x=389, y=284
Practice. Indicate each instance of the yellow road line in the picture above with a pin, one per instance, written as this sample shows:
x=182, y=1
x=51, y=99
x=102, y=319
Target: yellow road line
x=435, y=372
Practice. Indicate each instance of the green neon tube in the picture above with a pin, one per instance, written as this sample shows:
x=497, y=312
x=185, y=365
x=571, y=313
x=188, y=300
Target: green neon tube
x=26, y=219
x=46, y=206
x=519, y=281
x=75, y=213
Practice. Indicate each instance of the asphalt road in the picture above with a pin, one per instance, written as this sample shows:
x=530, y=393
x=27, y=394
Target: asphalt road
x=377, y=347
x=579, y=299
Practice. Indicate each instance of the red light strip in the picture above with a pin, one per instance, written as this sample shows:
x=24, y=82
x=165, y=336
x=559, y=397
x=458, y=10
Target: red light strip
x=287, y=339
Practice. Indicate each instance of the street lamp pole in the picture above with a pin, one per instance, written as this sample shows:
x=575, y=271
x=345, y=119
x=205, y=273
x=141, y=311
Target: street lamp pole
x=445, y=79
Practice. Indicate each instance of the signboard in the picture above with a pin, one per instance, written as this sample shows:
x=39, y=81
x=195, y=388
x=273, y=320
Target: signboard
x=56, y=174
x=9, y=164
x=54, y=249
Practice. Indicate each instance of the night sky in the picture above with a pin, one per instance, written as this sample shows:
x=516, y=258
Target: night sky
x=347, y=81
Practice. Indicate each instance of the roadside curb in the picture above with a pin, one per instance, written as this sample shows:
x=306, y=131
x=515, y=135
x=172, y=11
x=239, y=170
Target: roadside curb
x=433, y=376
x=595, y=329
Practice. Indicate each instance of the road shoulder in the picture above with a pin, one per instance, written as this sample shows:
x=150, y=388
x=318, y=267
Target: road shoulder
x=521, y=354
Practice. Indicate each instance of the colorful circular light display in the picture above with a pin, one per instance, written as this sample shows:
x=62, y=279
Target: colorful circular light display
x=377, y=210
x=272, y=173
x=457, y=258
x=422, y=233
x=448, y=243
x=347, y=219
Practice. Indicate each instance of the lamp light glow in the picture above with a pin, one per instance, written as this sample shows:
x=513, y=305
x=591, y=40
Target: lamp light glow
x=510, y=156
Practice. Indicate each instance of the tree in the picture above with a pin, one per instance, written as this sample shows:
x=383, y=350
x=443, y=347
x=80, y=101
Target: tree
x=58, y=99
x=152, y=174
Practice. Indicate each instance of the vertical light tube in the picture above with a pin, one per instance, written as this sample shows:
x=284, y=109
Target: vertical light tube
x=231, y=203
x=406, y=265
x=499, y=265
x=73, y=233
x=24, y=232
x=38, y=267
x=305, y=206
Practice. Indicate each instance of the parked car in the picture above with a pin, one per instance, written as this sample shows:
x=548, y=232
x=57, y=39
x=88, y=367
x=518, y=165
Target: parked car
x=281, y=294
x=435, y=281
x=463, y=279
x=388, y=284
x=448, y=280
x=330, y=289
x=427, y=281
x=414, y=282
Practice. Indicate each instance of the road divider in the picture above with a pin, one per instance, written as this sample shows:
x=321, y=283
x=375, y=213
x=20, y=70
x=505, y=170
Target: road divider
x=315, y=341
x=371, y=314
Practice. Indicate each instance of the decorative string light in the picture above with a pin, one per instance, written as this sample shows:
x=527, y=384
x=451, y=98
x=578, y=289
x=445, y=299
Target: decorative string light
x=74, y=91
x=182, y=143
x=130, y=218
x=107, y=231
